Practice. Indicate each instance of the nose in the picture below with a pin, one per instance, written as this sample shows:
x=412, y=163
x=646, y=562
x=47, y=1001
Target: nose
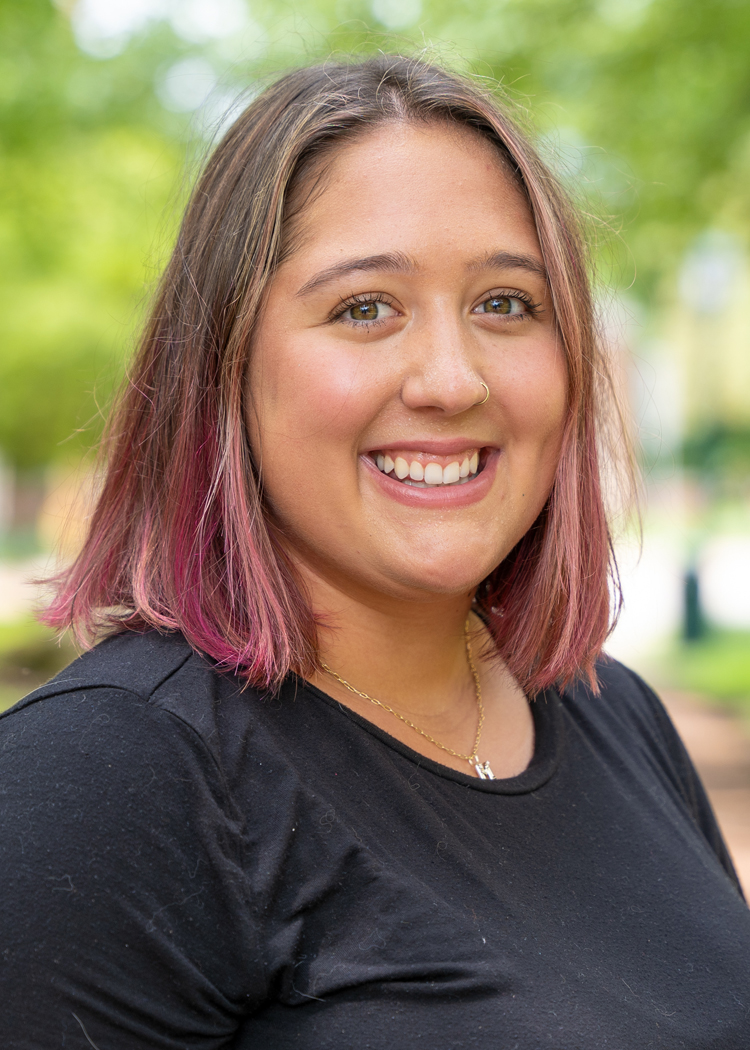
x=441, y=370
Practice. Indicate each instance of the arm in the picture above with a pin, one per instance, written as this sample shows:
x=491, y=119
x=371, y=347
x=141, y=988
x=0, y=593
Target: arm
x=124, y=919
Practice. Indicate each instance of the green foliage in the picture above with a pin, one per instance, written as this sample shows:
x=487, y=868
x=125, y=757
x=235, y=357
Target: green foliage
x=643, y=106
x=717, y=665
x=719, y=452
x=655, y=94
x=87, y=174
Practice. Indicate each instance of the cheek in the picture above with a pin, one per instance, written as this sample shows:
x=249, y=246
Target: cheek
x=307, y=394
x=533, y=395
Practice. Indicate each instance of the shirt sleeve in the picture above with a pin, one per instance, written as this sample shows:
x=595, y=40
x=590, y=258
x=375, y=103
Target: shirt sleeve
x=686, y=776
x=124, y=916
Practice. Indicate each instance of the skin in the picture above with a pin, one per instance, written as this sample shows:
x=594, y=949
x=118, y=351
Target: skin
x=391, y=569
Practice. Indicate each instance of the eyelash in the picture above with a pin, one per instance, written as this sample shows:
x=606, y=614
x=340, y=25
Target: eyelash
x=531, y=307
x=378, y=297
x=356, y=300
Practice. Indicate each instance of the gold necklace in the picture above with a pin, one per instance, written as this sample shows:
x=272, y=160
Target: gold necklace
x=482, y=768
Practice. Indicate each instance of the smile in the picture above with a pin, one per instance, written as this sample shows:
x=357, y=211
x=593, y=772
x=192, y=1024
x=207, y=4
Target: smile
x=423, y=470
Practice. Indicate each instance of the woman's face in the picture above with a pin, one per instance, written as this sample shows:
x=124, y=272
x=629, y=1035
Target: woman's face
x=417, y=277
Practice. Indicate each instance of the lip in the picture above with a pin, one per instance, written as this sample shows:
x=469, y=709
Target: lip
x=434, y=446
x=441, y=497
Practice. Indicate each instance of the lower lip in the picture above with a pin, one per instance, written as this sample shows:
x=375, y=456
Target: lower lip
x=441, y=496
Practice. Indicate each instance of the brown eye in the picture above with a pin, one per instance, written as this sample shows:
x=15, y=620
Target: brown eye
x=364, y=312
x=369, y=311
x=502, y=304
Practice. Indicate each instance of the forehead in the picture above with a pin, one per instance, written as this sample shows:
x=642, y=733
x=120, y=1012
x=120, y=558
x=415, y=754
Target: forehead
x=419, y=189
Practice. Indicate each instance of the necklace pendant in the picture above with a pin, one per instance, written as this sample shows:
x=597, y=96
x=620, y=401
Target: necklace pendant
x=484, y=770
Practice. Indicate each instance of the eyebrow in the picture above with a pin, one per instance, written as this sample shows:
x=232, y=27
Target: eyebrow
x=510, y=261
x=388, y=262
x=398, y=262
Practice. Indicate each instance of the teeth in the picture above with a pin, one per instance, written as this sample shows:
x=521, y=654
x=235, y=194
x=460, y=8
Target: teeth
x=429, y=475
x=401, y=467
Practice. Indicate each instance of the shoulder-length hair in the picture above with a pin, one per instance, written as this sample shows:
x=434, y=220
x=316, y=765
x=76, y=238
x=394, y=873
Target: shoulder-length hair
x=181, y=538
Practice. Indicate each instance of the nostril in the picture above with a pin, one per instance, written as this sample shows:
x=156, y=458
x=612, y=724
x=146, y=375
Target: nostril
x=444, y=390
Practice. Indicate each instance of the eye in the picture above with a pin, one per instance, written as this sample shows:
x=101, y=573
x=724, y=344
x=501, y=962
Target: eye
x=367, y=311
x=503, y=304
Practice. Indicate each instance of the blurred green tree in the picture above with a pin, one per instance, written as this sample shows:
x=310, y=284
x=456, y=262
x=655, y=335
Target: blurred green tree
x=641, y=104
x=88, y=163
x=659, y=92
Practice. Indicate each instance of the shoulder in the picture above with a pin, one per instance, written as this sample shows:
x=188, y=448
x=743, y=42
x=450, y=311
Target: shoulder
x=109, y=747
x=134, y=663
x=145, y=676
x=627, y=725
x=134, y=703
x=119, y=825
x=623, y=700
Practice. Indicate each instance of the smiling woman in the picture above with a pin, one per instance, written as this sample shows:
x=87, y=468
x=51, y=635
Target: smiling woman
x=349, y=768
x=434, y=352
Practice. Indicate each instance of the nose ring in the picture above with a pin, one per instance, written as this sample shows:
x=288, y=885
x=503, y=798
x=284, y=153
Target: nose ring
x=486, y=397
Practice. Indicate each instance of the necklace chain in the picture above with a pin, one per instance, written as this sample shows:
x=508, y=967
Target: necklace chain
x=482, y=768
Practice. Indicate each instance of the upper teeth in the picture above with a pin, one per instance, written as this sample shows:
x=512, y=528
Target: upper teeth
x=429, y=473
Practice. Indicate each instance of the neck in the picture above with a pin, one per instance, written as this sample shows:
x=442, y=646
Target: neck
x=411, y=654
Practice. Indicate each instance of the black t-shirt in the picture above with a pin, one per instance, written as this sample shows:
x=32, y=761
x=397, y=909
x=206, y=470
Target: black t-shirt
x=185, y=864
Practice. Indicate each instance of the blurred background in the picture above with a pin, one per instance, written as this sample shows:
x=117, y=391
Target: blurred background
x=642, y=106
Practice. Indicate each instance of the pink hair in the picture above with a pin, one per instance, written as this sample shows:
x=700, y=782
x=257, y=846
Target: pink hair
x=180, y=538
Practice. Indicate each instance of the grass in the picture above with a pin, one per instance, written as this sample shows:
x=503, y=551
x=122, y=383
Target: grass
x=717, y=666
x=29, y=655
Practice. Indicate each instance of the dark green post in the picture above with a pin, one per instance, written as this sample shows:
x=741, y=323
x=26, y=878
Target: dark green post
x=693, y=626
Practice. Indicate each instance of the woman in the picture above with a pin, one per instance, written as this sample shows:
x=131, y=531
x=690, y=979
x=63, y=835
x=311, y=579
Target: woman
x=348, y=770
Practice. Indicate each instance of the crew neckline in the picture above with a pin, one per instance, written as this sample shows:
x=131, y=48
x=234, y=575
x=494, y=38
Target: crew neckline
x=548, y=740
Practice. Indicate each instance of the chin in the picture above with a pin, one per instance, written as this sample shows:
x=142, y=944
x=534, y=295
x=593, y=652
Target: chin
x=444, y=580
